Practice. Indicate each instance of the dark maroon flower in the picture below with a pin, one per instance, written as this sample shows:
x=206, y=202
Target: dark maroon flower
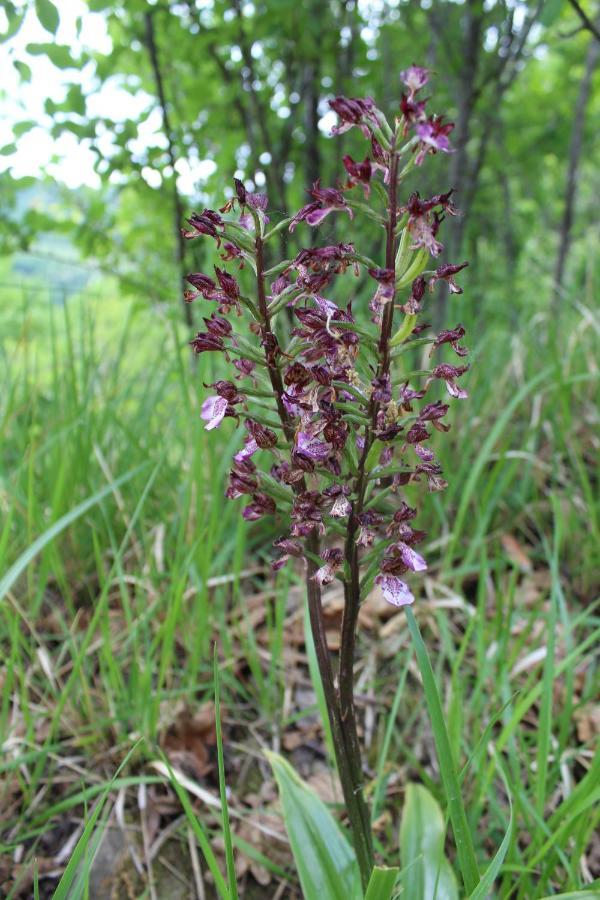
x=226, y=389
x=433, y=136
x=333, y=258
x=407, y=395
x=206, y=223
x=262, y=505
x=264, y=437
x=336, y=432
x=354, y=111
x=417, y=433
x=306, y=514
x=205, y=343
x=424, y=220
x=297, y=374
x=413, y=304
x=232, y=252
x=433, y=412
x=289, y=548
x=384, y=293
x=359, y=173
x=451, y=337
x=382, y=389
x=412, y=110
x=447, y=273
x=241, y=480
x=218, y=326
x=449, y=373
x=326, y=201
x=229, y=285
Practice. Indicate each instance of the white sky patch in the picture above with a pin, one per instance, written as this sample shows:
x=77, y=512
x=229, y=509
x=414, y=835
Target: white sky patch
x=67, y=158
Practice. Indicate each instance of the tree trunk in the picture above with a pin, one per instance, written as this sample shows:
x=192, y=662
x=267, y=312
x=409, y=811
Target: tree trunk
x=577, y=130
x=175, y=198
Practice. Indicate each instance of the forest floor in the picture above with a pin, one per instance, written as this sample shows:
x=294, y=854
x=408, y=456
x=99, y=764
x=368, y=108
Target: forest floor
x=121, y=565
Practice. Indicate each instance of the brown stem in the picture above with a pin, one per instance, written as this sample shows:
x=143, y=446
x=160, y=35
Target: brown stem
x=352, y=586
x=345, y=738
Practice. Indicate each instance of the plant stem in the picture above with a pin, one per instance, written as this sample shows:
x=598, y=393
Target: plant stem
x=352, y=585
x=345, y=737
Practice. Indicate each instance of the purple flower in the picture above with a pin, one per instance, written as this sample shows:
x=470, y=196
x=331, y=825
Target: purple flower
x=410, y=557
x=248, y=450
x=433, y=136
x=309, y=449
x=415, y=77
x=394, y=590
x=326, y=201
x=213, y=411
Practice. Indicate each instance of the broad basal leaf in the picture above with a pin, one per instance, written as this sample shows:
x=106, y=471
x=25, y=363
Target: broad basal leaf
x=426, y=873
x=325, y=861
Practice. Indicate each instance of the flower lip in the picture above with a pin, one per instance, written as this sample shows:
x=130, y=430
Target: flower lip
x=394, y=590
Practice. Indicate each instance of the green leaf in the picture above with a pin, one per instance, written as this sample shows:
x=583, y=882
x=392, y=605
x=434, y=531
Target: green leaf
x=58, y=54
x=325, y=861
x=426, y=873
x=491, y=873
x=47, y=13
x=381, y=884
x=7, y=581
x=23, y=69
x=226, y=828
x=592, y=894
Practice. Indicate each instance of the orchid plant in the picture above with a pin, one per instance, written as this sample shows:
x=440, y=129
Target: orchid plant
x=336, y=426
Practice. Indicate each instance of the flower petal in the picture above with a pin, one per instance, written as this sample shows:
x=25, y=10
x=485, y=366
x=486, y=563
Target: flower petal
x=213, y=411
x=395, y=591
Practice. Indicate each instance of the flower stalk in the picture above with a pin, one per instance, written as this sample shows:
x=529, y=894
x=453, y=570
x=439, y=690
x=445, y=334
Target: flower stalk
x=342, y=428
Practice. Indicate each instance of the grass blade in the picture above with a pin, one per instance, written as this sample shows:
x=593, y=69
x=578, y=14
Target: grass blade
x=462, y=836
x=19, y=566
x=231, y=879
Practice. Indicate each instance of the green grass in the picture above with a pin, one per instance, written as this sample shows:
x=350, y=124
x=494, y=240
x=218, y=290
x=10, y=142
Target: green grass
x=121, y=563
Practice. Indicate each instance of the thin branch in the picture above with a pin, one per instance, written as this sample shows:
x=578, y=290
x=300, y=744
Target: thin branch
x=587, y=22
